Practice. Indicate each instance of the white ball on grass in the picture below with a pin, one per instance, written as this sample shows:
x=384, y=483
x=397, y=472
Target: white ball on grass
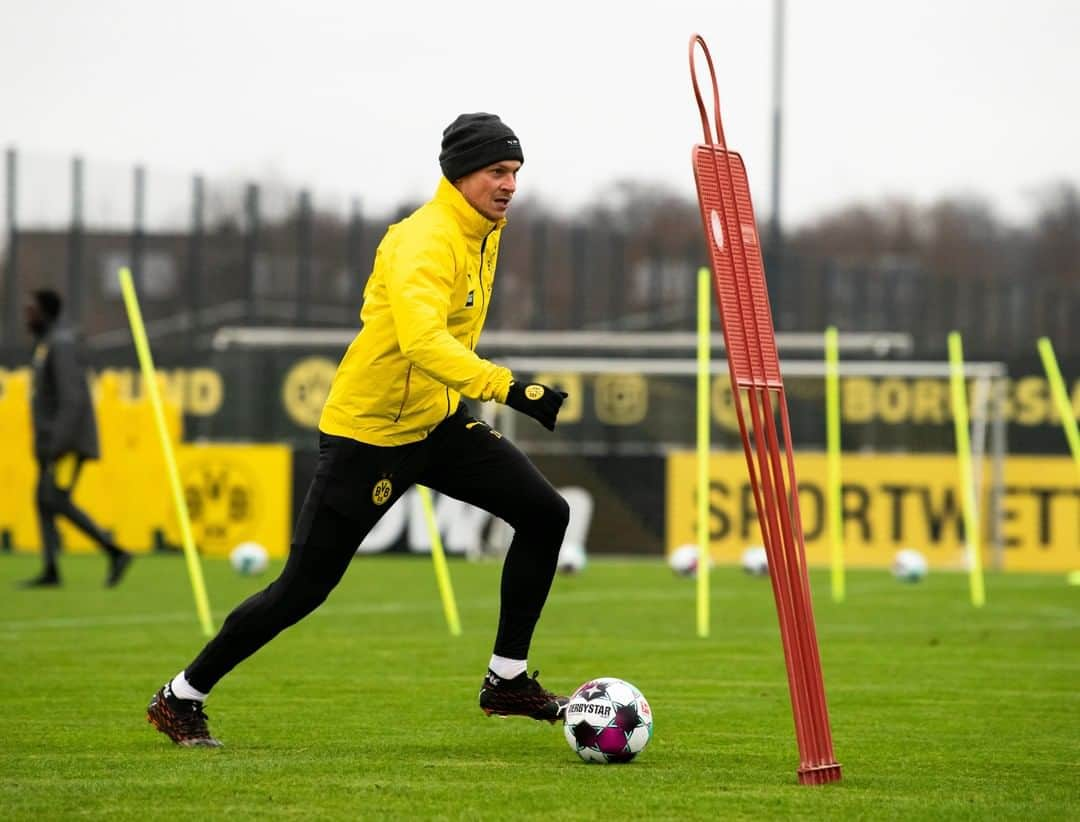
x=608, y=721
x=571, y=558
x=755, y=561
x=249, y=559
x=909, y=565
x=684, y=560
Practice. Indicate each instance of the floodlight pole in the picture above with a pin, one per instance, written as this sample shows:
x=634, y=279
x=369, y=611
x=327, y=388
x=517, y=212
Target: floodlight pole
x=10, y=321
x=775, y=236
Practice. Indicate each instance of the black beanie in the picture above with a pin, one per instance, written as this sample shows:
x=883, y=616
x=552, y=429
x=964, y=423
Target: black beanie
x=474, y=141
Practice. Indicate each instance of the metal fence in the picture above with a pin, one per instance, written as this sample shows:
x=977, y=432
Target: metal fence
x=206, y=253
x=1000, y=316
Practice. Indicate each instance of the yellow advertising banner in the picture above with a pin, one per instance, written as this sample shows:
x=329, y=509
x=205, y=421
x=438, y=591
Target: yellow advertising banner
x=234, y=493
x=891, y=501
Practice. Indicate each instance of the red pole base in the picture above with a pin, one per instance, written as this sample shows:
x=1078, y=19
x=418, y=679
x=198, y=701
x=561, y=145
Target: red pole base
x=819, y=774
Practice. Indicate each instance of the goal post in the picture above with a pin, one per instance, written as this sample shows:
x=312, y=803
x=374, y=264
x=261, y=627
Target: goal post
x=631, y=411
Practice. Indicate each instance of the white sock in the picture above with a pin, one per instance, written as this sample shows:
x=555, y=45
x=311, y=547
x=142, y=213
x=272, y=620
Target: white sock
x=182, y=689
x=507, y=668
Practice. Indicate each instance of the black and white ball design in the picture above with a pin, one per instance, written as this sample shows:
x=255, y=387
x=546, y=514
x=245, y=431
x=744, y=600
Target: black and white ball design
x=608, y=720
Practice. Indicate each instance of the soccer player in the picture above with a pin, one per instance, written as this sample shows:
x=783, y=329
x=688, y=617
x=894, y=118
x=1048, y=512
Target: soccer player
x=65, y=436
x=394, y=417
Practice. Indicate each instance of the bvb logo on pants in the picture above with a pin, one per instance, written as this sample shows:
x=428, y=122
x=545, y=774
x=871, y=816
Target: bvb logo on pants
x=382, y=491
x=221, y=502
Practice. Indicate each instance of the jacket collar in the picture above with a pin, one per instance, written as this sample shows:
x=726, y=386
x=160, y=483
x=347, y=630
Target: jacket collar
x=473, y=223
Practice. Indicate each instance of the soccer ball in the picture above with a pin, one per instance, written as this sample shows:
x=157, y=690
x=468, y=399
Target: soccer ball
x=249, y=559
x=755, y=561
x=571, y=558
x=909, y=565
x=608, y=720
x=684, y=560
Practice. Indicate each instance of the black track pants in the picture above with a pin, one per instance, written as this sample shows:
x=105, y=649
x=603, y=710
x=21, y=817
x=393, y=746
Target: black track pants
x=56, y=484
x=355, y=484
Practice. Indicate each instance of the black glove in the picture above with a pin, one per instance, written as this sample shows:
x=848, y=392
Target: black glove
x=538, y=401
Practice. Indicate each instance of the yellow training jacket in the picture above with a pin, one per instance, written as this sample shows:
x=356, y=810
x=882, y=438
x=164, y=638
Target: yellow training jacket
x=424, y=307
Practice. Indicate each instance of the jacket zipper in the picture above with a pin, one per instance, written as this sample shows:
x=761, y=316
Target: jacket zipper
x=483, y=296
x=483, y=305
x=405, y=398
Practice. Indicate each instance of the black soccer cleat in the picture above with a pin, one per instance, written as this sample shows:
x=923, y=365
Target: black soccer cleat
x=521, y=696
x=118, y=565
x=182, y=720
x=43, y=580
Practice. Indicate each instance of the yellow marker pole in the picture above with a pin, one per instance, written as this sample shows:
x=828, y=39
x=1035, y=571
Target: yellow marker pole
x=832, y=439
x=704, y=304
x=146, y=363
x=438, y=557
x=1065, y=411
x=1061, y=397
x=963, y=456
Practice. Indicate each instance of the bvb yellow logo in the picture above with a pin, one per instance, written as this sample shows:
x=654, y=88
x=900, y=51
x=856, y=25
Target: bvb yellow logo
x=381, y=492
x=221, y=502
x=534, y=392
x=305, y=388
x=621, y=399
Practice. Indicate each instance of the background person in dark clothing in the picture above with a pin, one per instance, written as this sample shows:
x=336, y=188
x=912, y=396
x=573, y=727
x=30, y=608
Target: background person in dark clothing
x=65, y=436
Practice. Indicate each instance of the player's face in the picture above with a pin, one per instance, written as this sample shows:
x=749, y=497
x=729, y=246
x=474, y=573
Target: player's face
x=490, y=189
x=35, y=320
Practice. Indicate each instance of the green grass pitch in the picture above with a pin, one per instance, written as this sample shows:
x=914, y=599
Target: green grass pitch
x=368, y=708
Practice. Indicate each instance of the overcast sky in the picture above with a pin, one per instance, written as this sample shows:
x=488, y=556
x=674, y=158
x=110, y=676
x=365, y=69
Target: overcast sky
x=917, y=98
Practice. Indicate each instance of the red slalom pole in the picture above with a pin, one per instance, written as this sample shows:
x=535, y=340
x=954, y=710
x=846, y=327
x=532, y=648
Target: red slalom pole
x=727, y=215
